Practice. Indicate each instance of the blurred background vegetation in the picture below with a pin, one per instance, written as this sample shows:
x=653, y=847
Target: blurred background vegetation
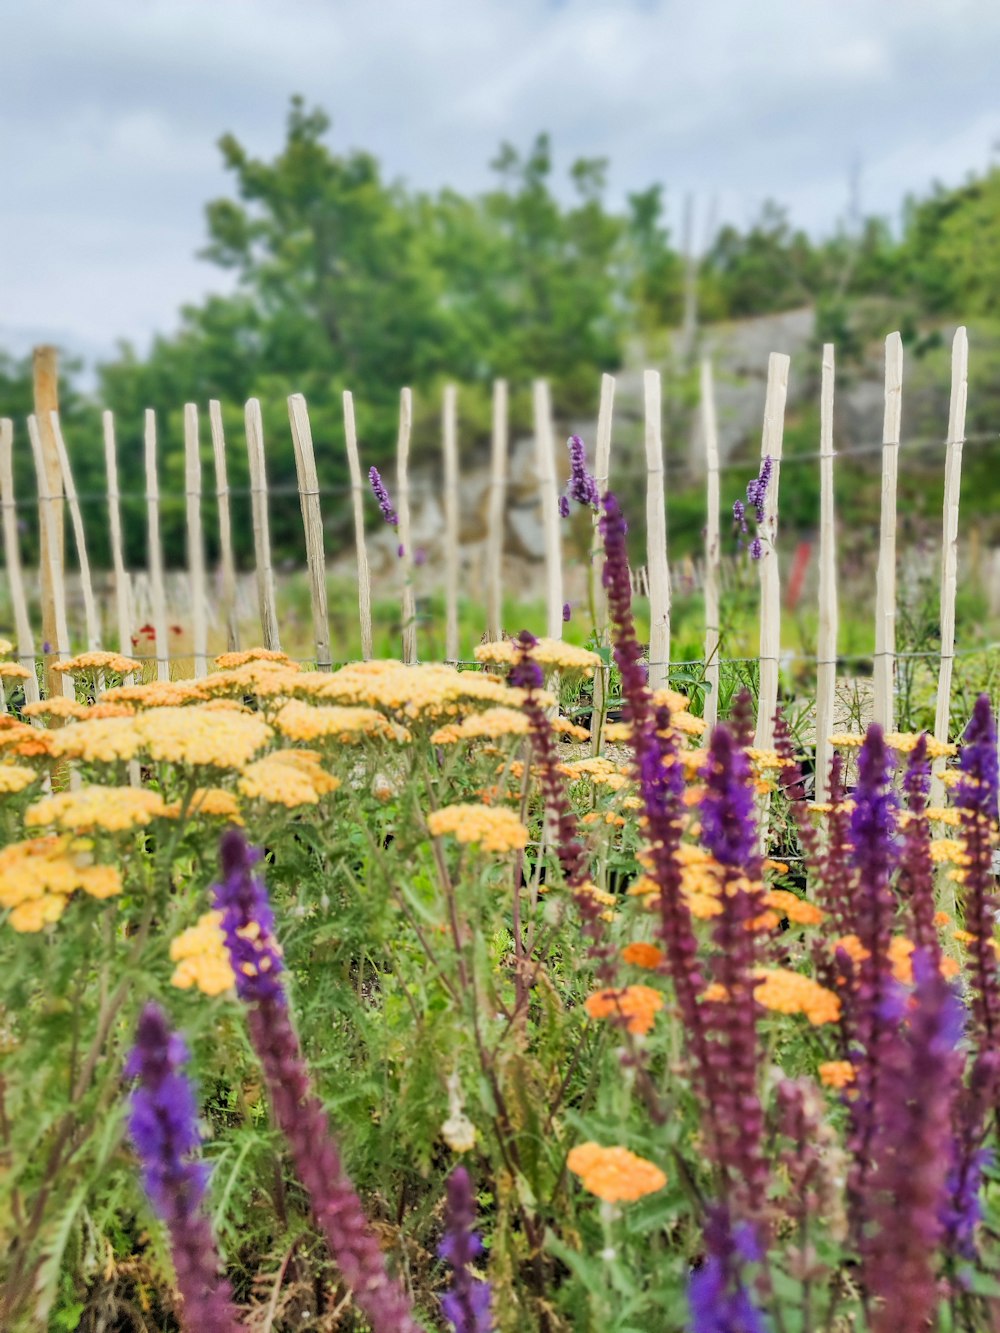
x=347, y=280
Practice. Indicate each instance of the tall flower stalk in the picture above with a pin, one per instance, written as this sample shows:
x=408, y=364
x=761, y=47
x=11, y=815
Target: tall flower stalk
x=661, y=787
x=729, y=832
x=873, y=840
x=466, y=1304
x=916, y=869
x=248, y=928
x=163, y=1123
x=526, y=674
x=911, y=1150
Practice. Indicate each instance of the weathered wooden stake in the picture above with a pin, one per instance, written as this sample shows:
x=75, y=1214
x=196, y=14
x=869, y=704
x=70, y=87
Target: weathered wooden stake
x=449, y=436
x=949, y=545
x=157, y=592
x=710, y=431
x=495, y=515
x=266, y=602
x=91, y=618
x=195, y=539
x=45, y=377
x=358, y=504
x=548, y=496
x=883, y=667
x=56, y=682
x=12, y=556
x=122, y=581
x=770, y=577
x=826, y=639
x=657, y=568
x=312, y=522
x=602, y=471
x=227, y=560
x=406, y=564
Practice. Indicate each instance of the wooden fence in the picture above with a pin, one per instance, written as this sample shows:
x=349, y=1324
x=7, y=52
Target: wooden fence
x=56, y=494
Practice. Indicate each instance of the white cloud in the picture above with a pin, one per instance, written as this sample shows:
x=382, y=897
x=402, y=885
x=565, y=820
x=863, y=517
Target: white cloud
x=111, y=109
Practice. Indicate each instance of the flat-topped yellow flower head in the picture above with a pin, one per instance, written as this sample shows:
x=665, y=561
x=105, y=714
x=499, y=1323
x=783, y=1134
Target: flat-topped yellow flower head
x=38, y=877
x=493, y=828
x=192, y=737
x=345, y=725
x=110, y=809
x=201, y=957
x=113, y=663
x=550, y=654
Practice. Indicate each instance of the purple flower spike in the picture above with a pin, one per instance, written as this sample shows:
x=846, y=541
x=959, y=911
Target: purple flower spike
x=756, y=549
x=563, y=506
x=248, y=927
x=911, y=1149
x=163, y=1122
x=740, y=514
x=757, y=489
x=567, y=612
x=467, y=1305
x=582, y=487
x=717, y=1291
x=976, y=799
x=382, y=496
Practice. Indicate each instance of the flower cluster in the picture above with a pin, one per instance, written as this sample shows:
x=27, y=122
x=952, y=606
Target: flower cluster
x=615, y=1175
x=492, y=828
x=38, y=877
x=382, y=496
x=201, y=957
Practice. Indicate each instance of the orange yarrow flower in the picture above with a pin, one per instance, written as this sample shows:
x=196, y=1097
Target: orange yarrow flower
x=614, y=1175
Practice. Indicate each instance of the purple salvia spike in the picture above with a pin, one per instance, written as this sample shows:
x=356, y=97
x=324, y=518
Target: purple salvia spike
x=718, y=1292
x=916, y=869
x=248, y=928
x=976, y=799
x=382, y=496
x=729, y=832
x=526, y=674
x=874, y=855
x=581, y=486
x=466, y=1305
x=661, y=786
x=163, y=1123
x=911, y=1150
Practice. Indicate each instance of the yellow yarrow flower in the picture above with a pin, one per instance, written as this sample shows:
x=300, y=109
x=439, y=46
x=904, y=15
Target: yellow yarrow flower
x=114, y=663
x=614, y=1175
x=308, y=722
x=13, y=671
x=14, y=778
x=201, y=957
x=493, y=828
x=836, y=1073
x=191, y=737
x=788, y=992
x=209, y=802
x=111, y=809
x=5, y=647
x=38, y=877
x=227, y=661
x=287, y=777
x=550, y=654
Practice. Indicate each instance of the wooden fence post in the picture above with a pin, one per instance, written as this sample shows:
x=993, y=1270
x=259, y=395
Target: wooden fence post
x=406, y=564
x=312, y=522
x=449, y=436
x=658, y=569
x=45, y=377
x=227, y=560
x=57, y=682
x=826, y=639
x=12, y=556
x=710, y=430
x=195, y=539
x=548, y=496
x=496, y=514
x=602, y=471
x=358, y=504
x=883, y=667
x=156, y=551
x=122, y=581
x=91, y=617
x=949, y=545
x=266, y=603
x=770, y=577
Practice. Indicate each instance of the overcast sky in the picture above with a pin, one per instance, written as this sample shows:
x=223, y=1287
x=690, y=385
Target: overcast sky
x=110, y=111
